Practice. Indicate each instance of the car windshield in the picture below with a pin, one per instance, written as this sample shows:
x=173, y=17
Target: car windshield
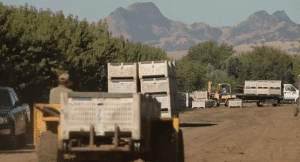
x=5, y=98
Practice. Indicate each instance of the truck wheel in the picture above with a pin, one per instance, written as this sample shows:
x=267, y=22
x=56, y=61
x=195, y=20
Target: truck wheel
x=47, y=148
x=12, y=141
x=165, y=146
x=259, y=104
x=22, y=140
x=296, y=111
x=215, y=103
x=181, y=147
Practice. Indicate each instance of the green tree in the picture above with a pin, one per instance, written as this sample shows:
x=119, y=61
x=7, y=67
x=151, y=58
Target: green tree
x=203, y=63
x=233, y=67
x=296, y=69
x=267, y=63
x=36, y=46
x=210, y=52
x=191, y=75
x=29, y=53
x=217, y=76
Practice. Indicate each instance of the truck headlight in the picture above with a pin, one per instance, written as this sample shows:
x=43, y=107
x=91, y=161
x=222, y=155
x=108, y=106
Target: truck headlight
x=3, y=120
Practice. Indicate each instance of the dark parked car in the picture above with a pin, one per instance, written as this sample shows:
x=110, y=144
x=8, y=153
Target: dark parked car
x=14, y=119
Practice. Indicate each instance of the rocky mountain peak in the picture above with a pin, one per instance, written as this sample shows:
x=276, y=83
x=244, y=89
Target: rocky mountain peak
x=143, y=22
x=119, y=10
x=282, y=16
x=199, y=25
x=262, y=15
x=144, y=7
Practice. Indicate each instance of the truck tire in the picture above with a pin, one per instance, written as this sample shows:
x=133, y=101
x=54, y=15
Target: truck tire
x=258, y=104
x=296, y=111
x=47, y=148
x=181, y=147
x=164, y=146
x=215, y=103
x=22, y=140
x=12, y=141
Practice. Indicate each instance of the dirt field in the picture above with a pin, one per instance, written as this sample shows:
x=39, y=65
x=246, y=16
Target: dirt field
x=237, y=135
x=268, y=134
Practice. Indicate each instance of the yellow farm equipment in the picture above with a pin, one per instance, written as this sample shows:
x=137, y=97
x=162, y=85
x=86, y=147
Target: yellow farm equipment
x=121, y=125
x=95, y=125
x=46, y=117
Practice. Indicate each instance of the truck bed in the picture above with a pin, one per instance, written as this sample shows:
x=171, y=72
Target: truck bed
x=257, y=98
x=104, y=111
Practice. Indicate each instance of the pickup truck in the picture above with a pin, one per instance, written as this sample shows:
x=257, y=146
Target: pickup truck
x=14, y=119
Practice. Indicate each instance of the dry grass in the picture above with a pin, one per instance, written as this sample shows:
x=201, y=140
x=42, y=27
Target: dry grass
x=278, y=44
x=176, y=55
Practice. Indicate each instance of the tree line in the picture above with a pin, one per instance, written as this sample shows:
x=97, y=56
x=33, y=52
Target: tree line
x=37, y=45
x=208, y=61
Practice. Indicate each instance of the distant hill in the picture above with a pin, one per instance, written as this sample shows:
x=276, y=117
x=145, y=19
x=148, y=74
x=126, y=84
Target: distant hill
x=143, y=22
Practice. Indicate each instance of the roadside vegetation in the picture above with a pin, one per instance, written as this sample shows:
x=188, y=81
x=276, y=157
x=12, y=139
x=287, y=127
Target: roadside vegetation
x=209, y=61
x=37, y=45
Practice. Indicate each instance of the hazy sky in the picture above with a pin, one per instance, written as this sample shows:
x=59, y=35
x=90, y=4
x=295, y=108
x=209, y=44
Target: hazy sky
x=216, y=13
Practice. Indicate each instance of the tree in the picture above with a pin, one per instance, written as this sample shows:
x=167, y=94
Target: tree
x=217, y=76
x=203, y=63
x=191, y=75
x=29, y=52
x=233, y=67
x=36, y=46
x=267, y=63
x=296, y=69
x=210, y=52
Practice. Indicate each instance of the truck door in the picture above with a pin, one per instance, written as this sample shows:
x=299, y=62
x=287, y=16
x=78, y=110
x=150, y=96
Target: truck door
x=290, y=92
x=294, y=93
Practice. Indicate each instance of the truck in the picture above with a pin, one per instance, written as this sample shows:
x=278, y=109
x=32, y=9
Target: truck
x=14, y=119
x=270, y=91
x=104, y=126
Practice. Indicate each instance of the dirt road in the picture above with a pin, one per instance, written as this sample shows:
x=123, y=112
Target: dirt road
x=267, y=134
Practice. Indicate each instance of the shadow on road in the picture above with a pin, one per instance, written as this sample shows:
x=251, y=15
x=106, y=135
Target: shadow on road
x=25, y=149
x=196, y=124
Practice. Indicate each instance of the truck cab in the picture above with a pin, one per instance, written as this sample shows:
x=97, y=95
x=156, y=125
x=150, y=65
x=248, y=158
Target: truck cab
x=290, y=93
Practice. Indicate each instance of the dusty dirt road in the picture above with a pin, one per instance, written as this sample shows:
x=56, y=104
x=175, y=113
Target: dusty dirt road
x=267, y=134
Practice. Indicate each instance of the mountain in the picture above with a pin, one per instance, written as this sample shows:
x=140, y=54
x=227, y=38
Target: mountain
x=143, y=22
x=261, y=27
x=139, y=22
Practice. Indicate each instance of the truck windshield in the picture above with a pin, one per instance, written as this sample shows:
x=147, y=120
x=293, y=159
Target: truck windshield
x=290, y=88
x=5, y=100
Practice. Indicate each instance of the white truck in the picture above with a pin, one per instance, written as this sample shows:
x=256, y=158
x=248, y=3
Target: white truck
x=290, y=93
x=271, y=91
